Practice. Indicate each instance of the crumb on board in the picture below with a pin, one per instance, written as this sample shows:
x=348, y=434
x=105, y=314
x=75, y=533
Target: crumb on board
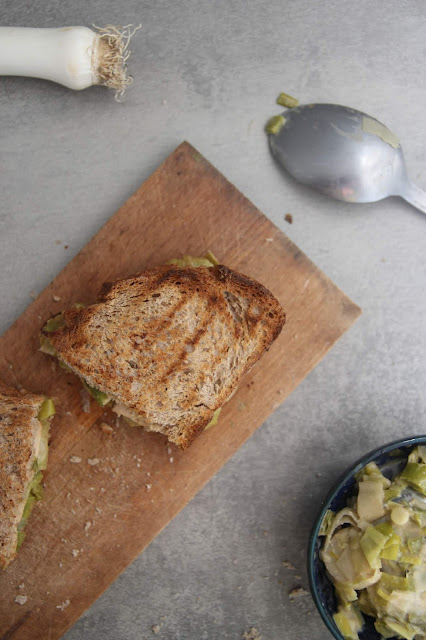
x=75, y=460
x=171, y=459
x=298, y=592
x=106, y=428
x=102, y=489
x=87, y=526
x=251, y=634
x=155, y=628
x=98, y=510
x=63, y=605
x=56, y=299
x=288, y=218
x=21, y=599
x=93, y=461
x=21, y=586
x=85, y=400
x=75, y=553
x=269, y=239
x=148, y=486
x=288, y=565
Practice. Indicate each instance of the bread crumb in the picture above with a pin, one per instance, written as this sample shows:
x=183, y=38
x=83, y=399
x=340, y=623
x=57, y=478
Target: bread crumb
x=288, y=565
x=85, y=400
x=251, y=634
x=156, y=628
x=288, y=218
x=33, y=294
x=93, y=461
x=63, y=605
x=269, y=239
x=68, y=413
x=60, y=565
x=56, y=299
x=298, y=592
x=87, y=526
x=148, y=473
x=21, y=599
x=21, y=586
x=106, y=428
x=98, y=510
x=75, y=459
x=169, y=450
x=102, y=490
x=171, y=459
x=148, y=486
x=75, y=552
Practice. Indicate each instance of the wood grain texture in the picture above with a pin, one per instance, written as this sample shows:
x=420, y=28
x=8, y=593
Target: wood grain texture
x=96, y=518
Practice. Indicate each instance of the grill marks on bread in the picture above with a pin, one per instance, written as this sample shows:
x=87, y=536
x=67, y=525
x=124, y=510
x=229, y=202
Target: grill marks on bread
x=171, y=343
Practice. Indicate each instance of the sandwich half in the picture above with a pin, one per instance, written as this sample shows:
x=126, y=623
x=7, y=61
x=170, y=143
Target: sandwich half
x=168, y=347
x=24, y=435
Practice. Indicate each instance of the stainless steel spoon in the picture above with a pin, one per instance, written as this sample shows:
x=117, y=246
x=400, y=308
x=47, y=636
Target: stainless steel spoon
x=343, y=153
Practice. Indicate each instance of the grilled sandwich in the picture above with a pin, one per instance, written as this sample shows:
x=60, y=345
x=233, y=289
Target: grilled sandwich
x=168, y=347
x=24, y=434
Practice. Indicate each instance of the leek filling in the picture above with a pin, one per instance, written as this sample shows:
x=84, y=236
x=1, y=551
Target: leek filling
x=35, y=491
x=375, y=553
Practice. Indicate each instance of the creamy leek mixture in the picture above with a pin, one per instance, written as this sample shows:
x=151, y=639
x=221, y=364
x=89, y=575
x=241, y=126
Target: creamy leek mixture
x=375, y=552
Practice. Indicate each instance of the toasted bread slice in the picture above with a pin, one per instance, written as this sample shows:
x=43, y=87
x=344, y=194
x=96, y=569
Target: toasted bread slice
x=170, y=345
x=23, y=453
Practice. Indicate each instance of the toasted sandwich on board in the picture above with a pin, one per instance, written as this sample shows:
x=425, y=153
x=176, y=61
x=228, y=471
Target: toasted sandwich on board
x=167, y=348
x=24, y=435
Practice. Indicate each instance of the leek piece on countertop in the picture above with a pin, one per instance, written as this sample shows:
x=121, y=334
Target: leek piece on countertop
x=274, y=125
x=287, y=101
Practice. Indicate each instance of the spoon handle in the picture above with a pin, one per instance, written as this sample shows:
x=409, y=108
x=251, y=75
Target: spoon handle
x=415, y=196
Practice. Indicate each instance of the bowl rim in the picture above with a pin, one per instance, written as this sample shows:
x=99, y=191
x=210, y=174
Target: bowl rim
x=340, y=483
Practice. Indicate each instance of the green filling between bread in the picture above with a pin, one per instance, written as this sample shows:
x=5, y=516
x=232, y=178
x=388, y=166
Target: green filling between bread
x=35, y=491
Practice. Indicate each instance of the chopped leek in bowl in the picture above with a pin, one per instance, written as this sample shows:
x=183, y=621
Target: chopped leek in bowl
x=367, y=551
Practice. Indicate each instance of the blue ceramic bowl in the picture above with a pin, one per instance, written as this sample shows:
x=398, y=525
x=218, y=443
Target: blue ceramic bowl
x=391, y=460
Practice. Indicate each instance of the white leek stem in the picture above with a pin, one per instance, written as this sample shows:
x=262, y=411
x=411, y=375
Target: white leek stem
x=75, y=57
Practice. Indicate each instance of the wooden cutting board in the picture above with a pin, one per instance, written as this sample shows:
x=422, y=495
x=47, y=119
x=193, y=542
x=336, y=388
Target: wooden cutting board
x=103, y=509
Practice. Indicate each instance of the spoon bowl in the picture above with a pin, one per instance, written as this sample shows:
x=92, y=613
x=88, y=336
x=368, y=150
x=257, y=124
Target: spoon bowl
x=344, y=153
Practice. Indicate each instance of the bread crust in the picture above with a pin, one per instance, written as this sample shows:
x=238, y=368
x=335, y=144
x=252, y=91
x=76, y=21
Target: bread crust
x=20, y=432
x=171, y=343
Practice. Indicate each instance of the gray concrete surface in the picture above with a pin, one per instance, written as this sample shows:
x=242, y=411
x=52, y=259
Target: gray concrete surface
x=209, y=72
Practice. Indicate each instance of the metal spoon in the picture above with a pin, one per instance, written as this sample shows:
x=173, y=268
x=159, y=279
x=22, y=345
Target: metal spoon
x=344, y=153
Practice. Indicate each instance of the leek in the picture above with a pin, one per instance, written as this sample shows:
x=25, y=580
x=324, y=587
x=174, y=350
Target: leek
x=349, y=621
x=76, y=57
x=372, y=543
x=415, y=475
x=370, y=499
